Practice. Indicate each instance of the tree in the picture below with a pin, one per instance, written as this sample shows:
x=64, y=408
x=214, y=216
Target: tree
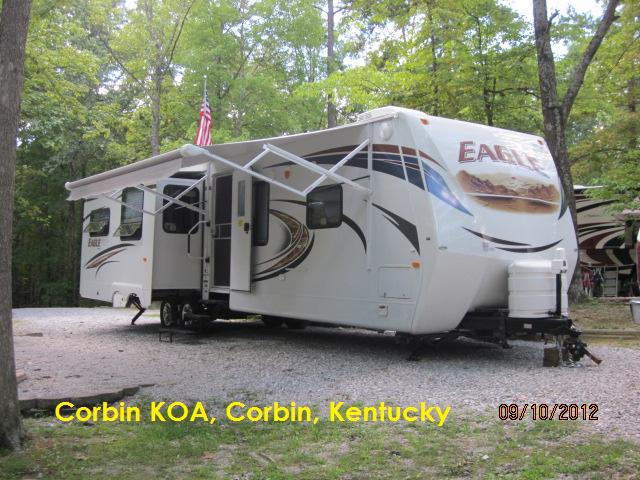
x=470, y=60
x=72, y=124
x=14, y=24
x=555, y=111
x=605, y=126
x=332, y=114
x=144, y=48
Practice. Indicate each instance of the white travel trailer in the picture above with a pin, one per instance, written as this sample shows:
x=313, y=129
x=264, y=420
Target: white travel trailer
x=400, y=221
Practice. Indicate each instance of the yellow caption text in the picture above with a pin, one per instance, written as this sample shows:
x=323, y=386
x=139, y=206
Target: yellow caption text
x=240, y=412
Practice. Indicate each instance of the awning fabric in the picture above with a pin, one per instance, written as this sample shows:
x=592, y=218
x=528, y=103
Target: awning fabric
x=161, y=166
x=143, y=172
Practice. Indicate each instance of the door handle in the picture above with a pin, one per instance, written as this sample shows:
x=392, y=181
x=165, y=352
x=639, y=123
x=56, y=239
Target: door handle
x=247, y=227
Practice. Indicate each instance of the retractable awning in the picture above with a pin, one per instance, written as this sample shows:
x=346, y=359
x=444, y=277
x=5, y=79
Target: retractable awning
x=143, y=172
x=241, y=155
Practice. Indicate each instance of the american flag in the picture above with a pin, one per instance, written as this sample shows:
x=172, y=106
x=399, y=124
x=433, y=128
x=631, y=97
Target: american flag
x=203, y=136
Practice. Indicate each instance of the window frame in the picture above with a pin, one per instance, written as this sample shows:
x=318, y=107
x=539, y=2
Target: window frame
x=107, y=226
x=137, y=235
x=183, y=188
x=308, y=210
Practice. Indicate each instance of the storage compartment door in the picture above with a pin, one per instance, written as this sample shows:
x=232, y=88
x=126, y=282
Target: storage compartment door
x=241, y=215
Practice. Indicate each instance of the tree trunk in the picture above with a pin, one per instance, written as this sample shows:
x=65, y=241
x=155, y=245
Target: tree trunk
x=556, y=112
x=434, y=61
x=14, y=24
x=554, y=124
x=332, y=113
x=156, y=96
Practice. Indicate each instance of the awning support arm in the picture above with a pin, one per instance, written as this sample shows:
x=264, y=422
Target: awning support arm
x=183, y=193
x=170, y=200
x=133, y=207
x=268, y=148
x=336, y=167
x=193, y=150
x=315, y=168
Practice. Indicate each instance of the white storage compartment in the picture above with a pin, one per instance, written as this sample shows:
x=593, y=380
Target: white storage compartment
x=532, y=287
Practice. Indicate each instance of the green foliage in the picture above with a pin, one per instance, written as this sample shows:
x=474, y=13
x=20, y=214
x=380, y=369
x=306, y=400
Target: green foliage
x=606, y=133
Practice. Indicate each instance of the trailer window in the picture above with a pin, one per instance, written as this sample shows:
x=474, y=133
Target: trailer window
x=324, y=207
x=98, y=223
x=176, y=218
x=131, y=219
x=260, y=214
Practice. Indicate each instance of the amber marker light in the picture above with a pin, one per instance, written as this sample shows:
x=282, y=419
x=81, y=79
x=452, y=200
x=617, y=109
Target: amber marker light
x=415, y=264
x=424, y=121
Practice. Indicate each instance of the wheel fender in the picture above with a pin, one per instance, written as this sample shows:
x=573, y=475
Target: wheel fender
x=118, y=300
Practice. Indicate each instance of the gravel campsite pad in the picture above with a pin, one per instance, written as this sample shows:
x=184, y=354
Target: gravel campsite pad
x=75, y=351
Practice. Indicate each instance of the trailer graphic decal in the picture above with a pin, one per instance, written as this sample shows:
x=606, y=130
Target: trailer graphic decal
x=408, y=229
x=347, y=220
x=101, y=259
x=619, y=257
x=563, y=203
x=413, y=170
x=602, y=237
x=354, y=226
x=386, y=159
x=531, y=249
x=300, y=245
x=605, y=235
x=496, y=240
x=517, y=246
x=439, y=188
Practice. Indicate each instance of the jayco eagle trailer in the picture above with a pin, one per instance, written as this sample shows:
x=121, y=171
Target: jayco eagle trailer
x=400, y=221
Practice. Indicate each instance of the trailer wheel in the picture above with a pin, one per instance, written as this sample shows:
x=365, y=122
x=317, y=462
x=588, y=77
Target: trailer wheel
x=296, y=324
x=187, y=308
x=168, y=314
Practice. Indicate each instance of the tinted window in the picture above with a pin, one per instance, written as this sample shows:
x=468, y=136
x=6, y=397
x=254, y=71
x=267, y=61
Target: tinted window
x=260, y=214
x=324, y=207
x=131, y=219
x=176, y=218
x=98, y=223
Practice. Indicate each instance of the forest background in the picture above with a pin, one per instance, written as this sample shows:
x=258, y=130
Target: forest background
x=109, y=82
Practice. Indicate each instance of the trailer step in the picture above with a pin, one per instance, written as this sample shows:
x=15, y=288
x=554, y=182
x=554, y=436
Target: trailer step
x=196, y=319
x=165, y=334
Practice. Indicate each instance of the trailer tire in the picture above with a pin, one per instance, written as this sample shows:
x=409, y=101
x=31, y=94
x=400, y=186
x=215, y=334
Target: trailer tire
x=186, y=308
x=296, y=324
x=168, y=314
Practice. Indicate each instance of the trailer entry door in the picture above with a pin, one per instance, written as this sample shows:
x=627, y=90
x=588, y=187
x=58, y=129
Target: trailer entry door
x=241, y=208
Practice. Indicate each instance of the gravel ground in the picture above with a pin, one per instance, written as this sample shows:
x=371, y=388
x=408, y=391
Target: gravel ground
x=83, y=351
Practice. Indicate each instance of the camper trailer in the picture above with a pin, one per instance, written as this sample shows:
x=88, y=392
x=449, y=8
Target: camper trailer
x=607, y=244
x=400, y=222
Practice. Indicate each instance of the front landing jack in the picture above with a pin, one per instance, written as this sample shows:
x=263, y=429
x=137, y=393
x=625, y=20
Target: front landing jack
x=568, y=351
x=135, y=301
x=576, y=349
